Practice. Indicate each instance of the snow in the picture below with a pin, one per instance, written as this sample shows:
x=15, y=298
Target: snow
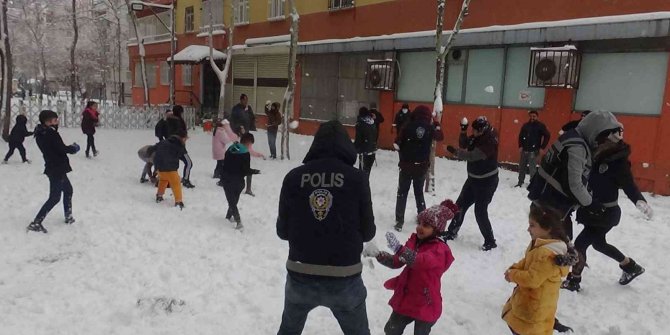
x=267, y=40
x=196, y=54
x=567, y=47
x=437, y=104
x=530, y=25
x=214, y=33
x=127, y=263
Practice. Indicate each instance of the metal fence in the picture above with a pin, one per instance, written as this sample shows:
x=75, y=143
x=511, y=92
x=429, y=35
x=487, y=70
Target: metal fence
x=111, y=115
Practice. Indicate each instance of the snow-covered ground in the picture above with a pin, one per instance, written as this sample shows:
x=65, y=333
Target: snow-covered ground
x=87, y=278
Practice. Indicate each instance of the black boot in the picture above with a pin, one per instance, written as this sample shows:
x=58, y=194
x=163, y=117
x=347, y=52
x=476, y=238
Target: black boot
x=398, y=226
x=180, y=205
x=487, y=246
x=69, y=219
x=572, y=283
x=561, y=327
x=187, y=183
x=36, y=226
x=630, y=272
x=159, y=198
x=450, y=236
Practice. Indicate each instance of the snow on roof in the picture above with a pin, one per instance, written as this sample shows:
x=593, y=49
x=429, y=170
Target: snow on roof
x=195, y=54
x=566, y=47
x=267, y=40
x=531, y=25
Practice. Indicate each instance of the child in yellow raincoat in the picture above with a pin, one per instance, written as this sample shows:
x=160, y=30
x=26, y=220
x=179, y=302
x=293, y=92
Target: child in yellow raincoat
x=532, y=307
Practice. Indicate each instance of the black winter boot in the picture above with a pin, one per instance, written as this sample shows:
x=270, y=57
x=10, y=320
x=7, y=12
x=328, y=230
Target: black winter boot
x=572, y=283
x=36, y=226
x=630, y=272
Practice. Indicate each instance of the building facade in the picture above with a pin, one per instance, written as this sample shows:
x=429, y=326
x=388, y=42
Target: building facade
x=623, y=45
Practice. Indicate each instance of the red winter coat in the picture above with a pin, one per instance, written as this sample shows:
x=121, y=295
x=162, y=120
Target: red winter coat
x=89, y=120
x=417, y=290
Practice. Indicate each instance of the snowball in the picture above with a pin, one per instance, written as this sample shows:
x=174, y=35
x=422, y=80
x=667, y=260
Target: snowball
x=489, y=89
x=293, y=124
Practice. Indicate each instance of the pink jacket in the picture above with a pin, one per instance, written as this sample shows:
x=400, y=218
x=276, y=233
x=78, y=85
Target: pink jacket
x=220, y=139
x=417, y=290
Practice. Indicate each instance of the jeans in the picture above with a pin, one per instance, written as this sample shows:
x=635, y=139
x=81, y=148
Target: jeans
x=12, y=147
x=480, y=193
x=57, y=185
x=147, y=170
x=232, y=187
x=397, y=323
x=345, y=297
x=90, y=144
x=365, y=162
x=528, y=161
x=405, y=179
x=272, y=142
x=188, y=165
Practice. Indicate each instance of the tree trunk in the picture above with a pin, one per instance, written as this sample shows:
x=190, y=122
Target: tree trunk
x=120, y=92
x=441, y=54
x=6, y=71
x=140, y=46
x=222, y=75
x=287, y=105
x=73, y=64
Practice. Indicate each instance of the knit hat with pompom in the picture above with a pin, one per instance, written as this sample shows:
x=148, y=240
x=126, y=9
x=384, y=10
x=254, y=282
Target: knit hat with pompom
x=438, y=215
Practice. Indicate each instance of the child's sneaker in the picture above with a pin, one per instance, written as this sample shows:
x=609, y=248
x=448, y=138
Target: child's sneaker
x=69, y=219
x=398, y=226
x=159, y=198
x=37, y=227
x=96, y=153
x=180, y=205
x=572, y=283
x=239, y=226
x=4, y=162
x=630, y=272
x=143, y=180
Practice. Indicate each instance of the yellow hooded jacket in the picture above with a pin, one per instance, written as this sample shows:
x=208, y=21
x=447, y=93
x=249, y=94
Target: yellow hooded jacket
x=532, y=307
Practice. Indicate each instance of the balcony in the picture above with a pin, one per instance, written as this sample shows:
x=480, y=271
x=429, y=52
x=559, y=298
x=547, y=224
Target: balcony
x=153, y=39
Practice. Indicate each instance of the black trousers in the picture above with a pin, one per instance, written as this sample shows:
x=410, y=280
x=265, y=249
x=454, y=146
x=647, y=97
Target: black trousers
x=365, y=162
x=397, y=323
x=233, y=186
x=90, y=144
x=12, y=147
x=148, y=170
x=57, y=185
x=188, y=165
x=478, y=192
x=596, y=236
x=405, y=179
x=217, y=169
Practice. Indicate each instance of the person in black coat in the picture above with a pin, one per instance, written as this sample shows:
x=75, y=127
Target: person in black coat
x=414, y=143
x=161, y=129
x=16, y=137
x=573, y=124
x=366, y=140
x=378, y=117
x=533, y=137
x=325, y=213
x=612, y=171
x=242, y=119
x=176, y=125
x=480, y=150
x=236, y=166
x=56, y=167
x=401, y=117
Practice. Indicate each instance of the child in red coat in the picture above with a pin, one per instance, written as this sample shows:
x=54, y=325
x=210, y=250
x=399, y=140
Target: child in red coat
x=417, y=290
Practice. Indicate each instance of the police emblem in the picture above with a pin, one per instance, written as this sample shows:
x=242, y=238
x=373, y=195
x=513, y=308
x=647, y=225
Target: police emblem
x=320, y=200
x=420, y=131
x=602, y=168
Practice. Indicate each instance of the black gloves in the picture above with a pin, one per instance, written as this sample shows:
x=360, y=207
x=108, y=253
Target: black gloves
x=451, y=149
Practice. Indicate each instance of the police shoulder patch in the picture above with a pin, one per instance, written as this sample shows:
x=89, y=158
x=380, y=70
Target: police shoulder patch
x=321, y=200
x=420, y=132
x=602, y=168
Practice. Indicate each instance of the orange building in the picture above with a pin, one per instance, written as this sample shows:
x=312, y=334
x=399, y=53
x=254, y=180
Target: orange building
x=623, y=46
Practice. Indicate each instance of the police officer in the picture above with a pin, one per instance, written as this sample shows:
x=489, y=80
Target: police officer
x=325, y=213
x=480, y=150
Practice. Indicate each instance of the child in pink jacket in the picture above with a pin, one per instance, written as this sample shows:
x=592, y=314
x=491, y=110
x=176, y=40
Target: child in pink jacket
x=417, y=290
x=222, y=135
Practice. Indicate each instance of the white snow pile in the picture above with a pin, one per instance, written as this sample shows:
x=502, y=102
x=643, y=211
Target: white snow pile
x=132, y=266
x=196, y=54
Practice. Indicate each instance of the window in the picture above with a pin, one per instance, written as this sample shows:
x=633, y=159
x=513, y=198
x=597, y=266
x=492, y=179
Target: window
x=630, y=83
x=242, y=12
x=276, y=10
x=417, y=76
x=186, y=75
x=215, y=7
x=516, y=91
x=189, y=19
x=455, y=75
x=165, y=73
x=340, y=4
x=151, y=74
x=484, y=76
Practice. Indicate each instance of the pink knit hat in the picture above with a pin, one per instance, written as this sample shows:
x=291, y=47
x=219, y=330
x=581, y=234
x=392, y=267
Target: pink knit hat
x=438, y=215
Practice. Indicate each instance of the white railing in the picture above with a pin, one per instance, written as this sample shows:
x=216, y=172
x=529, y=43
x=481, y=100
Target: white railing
x=111, y=115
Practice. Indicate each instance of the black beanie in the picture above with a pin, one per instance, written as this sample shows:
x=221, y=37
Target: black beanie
x=47, y=115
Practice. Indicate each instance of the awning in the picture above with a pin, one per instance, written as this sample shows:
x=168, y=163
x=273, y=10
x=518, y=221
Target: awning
x=194, y=54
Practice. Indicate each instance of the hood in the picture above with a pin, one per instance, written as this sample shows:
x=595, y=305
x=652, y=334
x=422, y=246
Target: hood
x=21, y=119
x=332, y=141
x=620, y=150
x=41, y=130
x=595, y=123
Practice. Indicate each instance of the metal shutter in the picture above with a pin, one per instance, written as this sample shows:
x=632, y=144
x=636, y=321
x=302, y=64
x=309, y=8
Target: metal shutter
x=244, y=79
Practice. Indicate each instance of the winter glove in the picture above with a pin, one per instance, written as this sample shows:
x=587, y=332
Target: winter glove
x=393, y=242
x=371, y=250
x=385, y=259
x=464, y=124
x=75, y=147
x=644, y=207
x=452, y=149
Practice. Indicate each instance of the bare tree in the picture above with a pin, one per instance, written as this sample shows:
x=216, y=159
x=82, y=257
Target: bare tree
x=34, y=20
x=7, y=68
x=287, y=104
x=73, y=62
x=113, y=6
x=442, y=50
x=222, y=74
x=140, y=46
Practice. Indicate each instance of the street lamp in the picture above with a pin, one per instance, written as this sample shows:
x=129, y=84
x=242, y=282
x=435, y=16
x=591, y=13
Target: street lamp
x=138, y=6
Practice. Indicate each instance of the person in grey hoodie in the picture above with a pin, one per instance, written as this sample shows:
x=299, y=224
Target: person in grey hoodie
x=561, y=180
